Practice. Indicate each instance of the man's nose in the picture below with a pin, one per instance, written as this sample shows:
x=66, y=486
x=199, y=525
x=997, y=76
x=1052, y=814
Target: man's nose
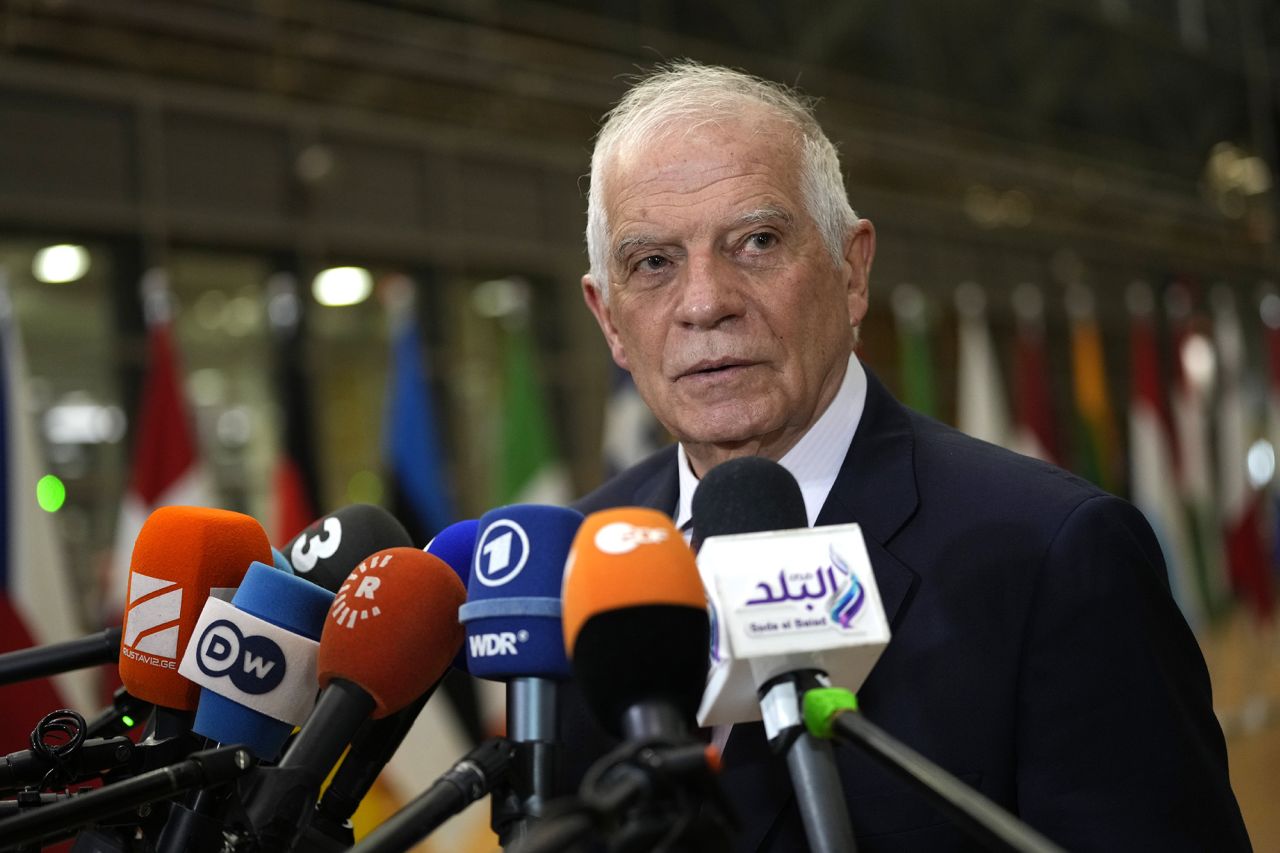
x=710, y=294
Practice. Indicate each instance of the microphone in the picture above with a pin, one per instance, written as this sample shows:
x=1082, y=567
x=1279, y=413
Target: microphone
x=54, y=658
x=456, y=545
x=376, y=743
x=791, y=608
x=280, y=561
x=93, y=757
x=797, y=609
x=327, y=550
x=635, y=622
x=636, y=626
x=182, y=556
x=389, y=635
x=467, y=781
x=512, y=619
x=62, y=818
x=255, y=660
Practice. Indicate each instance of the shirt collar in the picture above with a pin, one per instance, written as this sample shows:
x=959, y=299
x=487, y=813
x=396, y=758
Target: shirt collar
x=816, y=458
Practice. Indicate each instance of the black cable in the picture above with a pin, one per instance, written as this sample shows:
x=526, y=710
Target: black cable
x=57, y=738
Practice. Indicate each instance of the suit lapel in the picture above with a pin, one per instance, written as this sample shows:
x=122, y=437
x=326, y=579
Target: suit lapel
x=876, y=487
x=662, y=490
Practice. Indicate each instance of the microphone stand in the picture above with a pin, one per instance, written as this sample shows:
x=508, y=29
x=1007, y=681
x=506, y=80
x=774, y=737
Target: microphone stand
x=467, y=781
x=522, y=797
x=831, y=713
x=643, y=796
x=212, y=767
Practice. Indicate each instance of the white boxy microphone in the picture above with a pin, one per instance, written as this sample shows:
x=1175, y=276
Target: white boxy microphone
x=783, y=601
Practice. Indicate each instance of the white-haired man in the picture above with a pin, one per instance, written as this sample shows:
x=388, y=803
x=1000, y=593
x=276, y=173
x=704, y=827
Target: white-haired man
x=1036, y=651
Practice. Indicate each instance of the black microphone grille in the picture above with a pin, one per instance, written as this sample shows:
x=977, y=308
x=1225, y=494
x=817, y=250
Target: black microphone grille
x=746, y=495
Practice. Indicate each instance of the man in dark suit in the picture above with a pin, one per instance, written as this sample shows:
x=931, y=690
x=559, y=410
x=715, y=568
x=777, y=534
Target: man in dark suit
x=1036, y=652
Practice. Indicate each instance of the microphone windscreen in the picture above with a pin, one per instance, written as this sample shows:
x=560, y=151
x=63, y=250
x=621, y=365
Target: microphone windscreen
x=287, y=602
x=456, y=545
x=393, y=627
x=280, y=561
x=746, y=495
x=512, y=614
x=635, y=617
x=330, y=547
x=182, y=556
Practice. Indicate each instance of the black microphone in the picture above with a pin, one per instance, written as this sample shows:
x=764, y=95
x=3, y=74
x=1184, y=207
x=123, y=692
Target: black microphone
x=60, y=819
x=391, y=633
x=471, y=778
x=755, y=495
x=55, y=658
x=332, y=545
x=93, y=757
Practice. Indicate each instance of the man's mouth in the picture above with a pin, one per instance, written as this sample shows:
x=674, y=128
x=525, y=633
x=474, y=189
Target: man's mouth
x=715, y=367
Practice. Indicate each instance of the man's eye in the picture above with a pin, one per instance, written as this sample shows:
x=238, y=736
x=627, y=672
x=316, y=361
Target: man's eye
x=762, y=240
x=652, y=263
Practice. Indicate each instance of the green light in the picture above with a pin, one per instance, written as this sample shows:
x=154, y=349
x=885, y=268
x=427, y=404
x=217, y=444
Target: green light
x=127, y=720
x=50, y=493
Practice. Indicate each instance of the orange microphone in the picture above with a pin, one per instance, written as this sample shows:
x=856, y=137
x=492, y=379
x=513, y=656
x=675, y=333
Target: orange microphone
x=635, y=623
x=391, y=633
x=183, y=555
x=393, y=627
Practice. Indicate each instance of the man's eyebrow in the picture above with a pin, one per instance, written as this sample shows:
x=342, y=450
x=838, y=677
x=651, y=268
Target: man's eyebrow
x=765, y=214
x=627, y=244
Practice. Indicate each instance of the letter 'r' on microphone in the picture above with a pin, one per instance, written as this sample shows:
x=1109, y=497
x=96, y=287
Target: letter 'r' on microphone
x=635, y=616
x=182, y=555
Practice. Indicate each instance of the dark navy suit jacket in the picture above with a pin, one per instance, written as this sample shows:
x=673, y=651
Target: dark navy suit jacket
x=1036, y=654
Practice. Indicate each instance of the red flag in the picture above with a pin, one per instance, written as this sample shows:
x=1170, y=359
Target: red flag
x=1034, y=431
x=1153, y=459
x=294, y=491
x=1241, y=500
x=166, y=464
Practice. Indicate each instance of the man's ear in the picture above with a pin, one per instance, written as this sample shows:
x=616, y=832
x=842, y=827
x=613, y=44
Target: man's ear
x=860, y=251
x=600, y=310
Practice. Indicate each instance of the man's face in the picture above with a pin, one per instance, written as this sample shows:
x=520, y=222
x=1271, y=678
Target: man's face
x=725, y=303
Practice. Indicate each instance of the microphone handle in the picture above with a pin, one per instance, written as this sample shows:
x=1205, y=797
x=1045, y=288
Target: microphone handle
x=55, y=658
x=286, y=794
x=819, y=795
x=810, y=761
x=212, y=767
x=467, y=781
x=983, y=819
x=371, y=750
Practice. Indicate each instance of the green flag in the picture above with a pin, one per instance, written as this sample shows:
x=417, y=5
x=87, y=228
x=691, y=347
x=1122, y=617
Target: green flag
x=529, y=469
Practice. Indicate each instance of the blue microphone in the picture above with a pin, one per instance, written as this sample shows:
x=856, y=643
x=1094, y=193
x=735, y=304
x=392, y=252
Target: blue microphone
x=456, y=545
x=512, y=614
x=514, y=635
x=280, y=561
x=255, y=659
